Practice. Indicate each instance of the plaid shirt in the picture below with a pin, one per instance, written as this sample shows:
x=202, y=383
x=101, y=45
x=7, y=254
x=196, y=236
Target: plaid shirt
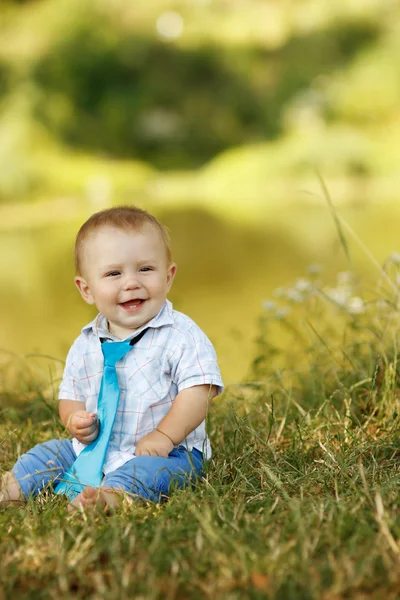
x=173, y=355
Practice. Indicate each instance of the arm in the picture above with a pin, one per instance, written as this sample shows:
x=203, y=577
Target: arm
x=188, y=410
x=78, y=422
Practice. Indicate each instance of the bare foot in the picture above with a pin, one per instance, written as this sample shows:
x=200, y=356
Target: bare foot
x=10, y=491
x=100, y=498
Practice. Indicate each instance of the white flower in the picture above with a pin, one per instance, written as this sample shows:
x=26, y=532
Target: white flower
x=394, y=258
x=282, y=312
x=294, y=296
x=314, y=269
x=356, y=305
x=268, y=305
x=344, y=277
x=382, y=305
x=303, y=285
x=338, y=295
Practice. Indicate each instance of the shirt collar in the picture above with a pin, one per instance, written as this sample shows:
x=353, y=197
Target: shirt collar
x=100, y=329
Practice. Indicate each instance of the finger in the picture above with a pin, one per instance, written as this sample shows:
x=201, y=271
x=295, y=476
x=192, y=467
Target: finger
x=89, y=431
x=84, y=430
x=87, y=439
x=86, y=415
x=85, y=423
x=161, y=452
x=142, y=452
x=83, y=440
x=153, y=452
x=82, y=416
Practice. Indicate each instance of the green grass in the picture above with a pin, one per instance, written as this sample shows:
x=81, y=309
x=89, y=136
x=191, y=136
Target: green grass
x=310, y=513
x=300, y=500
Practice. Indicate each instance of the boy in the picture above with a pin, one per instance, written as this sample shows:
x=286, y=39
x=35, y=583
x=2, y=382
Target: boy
x=124, y=267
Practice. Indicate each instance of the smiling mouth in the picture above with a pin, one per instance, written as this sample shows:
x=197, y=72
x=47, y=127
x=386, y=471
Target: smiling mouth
x=132, y=305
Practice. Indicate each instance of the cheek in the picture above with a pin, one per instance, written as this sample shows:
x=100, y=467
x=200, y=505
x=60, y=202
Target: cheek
x=104, y=294
x=163, y=286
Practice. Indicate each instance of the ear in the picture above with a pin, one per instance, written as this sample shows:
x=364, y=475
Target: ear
x=84, y=289
x=171, y=274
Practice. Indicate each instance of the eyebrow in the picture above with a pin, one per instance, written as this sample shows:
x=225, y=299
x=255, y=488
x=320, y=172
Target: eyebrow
x=147, y=260
x=139, y=262
x=110, y=267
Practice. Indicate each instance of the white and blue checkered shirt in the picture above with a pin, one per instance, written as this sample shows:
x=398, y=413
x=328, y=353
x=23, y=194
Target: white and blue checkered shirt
x=173, y=355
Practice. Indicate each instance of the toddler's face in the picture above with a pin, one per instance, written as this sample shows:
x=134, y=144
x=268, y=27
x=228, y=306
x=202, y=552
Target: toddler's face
x=125, y=273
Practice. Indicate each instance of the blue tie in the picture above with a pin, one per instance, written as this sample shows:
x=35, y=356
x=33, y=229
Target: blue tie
x=87, y=469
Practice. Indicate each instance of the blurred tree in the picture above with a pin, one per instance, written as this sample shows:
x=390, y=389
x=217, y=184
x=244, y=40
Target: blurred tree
x=100, y=80
x=140, y=97
x=131, y=96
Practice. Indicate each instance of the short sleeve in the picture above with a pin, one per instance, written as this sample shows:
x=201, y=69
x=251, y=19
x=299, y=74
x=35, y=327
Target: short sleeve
x=70, y=387
x=194, y=361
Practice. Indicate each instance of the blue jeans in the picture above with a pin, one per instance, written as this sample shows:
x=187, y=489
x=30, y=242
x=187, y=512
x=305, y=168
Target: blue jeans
x=144, y=477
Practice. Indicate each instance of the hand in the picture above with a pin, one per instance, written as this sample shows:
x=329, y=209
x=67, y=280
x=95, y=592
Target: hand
x=154, y=444
x=84, y=426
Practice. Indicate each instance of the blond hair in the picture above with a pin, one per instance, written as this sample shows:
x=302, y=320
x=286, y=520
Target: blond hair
x=121, y=217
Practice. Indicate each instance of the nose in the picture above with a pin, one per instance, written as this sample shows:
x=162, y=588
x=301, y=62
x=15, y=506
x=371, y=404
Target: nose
x=131, y=282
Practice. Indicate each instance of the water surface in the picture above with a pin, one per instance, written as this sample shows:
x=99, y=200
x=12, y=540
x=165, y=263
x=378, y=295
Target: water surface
x=225, y=271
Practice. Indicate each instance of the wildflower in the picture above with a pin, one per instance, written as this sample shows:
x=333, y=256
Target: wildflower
x=282, y=312
x=279, y=292
x=303, y=285
x=269, y=305
x=382, y=305
x=338, y=295
x=344, y=277
x=394, y=258
x=314, y=269
x=294, y=296
x=356, y=305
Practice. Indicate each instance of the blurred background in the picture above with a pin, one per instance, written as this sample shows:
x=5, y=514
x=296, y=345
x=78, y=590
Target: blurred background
x=215, y=115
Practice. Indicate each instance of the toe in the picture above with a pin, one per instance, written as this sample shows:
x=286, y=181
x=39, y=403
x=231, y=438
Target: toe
x=78, y=503
x=90, y=494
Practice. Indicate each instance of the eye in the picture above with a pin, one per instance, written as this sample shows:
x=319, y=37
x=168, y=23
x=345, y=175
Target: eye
x=145, y=269
x=113, y=273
